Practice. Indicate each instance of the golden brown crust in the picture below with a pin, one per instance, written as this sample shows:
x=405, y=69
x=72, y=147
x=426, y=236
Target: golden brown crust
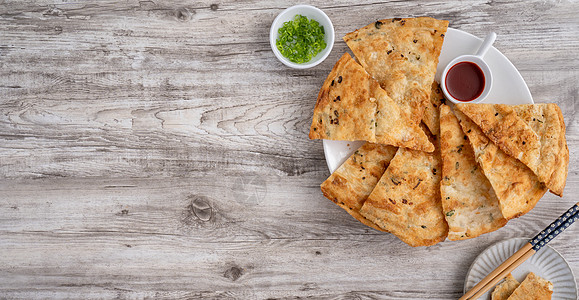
x=431, y=111
x=544, y=121
x=501, y=124
x=532, y=133
x=503, y=290
x=470, y=204
x=558, y=179
x=352, y=106
x=533, y=288
x=406, y=201
x=393, y=126
x=516, y=186
x=344, y=110
x=354, y=180
x=547, y=121
x=402, y=54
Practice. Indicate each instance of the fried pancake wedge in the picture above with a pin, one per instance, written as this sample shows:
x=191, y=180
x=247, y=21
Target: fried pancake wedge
x=470, y=204
x=501, y=124
x=406, y=200
x=393, y=126
x=558, y=179
x=432, y=109
x=352, y=106
x=516, y=186
x=402, y=55
x=344, y=109
x=354, y=180
x=547, y=122
x=533, y=287
x=532, y=133
x=504, y=289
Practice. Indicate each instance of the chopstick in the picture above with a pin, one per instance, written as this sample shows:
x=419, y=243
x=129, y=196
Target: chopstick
x=534, y=244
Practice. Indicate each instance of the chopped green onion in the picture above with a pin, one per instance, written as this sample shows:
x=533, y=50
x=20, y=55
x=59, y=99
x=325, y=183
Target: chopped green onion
x=301, y=39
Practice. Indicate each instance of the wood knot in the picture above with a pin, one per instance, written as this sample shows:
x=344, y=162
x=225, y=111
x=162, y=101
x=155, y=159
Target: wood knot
x=124, y=212
x=183, y=14
x=54, y=12
x=233, y=273
x=214, y=7
x=201, y=209
x=147, y=4
x=199, y=212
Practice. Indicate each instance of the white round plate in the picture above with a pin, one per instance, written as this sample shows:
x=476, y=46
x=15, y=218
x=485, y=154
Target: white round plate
x=509, y=87
x=546, y=263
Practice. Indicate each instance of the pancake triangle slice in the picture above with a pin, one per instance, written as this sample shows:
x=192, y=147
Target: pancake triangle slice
x=432, y=109
x=503, y=290
x=470, y=204
x=516, y=186
x=354, y=180
x=402, y=55
x=546, y=120
x=406, y=200
x=351, y=106
x=531, y=133
x=533, y=287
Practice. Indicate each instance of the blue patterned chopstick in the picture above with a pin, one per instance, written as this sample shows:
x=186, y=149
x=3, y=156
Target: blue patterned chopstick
x=549, y=233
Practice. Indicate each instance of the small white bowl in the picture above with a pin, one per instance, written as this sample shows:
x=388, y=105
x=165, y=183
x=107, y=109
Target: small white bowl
x=477, y=59
x=312, y=13
x=486, y=70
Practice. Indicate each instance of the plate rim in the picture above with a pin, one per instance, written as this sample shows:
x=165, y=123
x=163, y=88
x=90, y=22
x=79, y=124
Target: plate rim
x=527, y=90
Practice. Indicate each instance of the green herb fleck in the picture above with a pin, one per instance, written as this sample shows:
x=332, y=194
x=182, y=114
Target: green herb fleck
x=450, y=213
x=301, y=39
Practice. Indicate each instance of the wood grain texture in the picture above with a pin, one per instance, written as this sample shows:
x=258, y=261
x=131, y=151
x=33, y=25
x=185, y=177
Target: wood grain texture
x=157, y=149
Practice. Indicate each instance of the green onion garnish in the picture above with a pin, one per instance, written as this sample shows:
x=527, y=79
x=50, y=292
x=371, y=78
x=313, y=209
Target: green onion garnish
x=301, y=39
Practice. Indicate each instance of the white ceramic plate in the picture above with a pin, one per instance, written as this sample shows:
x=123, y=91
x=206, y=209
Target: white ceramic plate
x=546, y=263
x=509, y=87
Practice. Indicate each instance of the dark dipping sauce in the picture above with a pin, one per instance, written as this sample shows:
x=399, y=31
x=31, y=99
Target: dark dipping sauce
x=465, y=81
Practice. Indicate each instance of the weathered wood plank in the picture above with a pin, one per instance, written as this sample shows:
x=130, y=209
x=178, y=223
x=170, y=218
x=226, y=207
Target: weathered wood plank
x=158, y=149
x=114, y=86
x=61, y=235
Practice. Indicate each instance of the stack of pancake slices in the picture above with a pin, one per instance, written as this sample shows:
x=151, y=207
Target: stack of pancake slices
x=533, y=287
x=430, y=170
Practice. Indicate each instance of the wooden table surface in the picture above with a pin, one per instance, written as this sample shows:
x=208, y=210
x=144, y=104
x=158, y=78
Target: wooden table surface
x=158, y=149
